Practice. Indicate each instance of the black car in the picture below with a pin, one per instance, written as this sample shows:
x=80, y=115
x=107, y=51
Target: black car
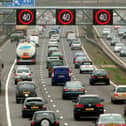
x=123, y=52
x=72, y=89
x=31, y=105
x=99, y=76
x=44, y=118
x=25, y=89
x=88, y=106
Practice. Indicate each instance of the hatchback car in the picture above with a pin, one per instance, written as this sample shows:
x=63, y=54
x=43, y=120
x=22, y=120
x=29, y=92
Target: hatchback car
x=99, y=76
x=79, y=60
x=52, y=64
x=60, y=74
x=55, y=36
x=31, y=105
x=106, y=31
x=110, y=119
x=77, y=54
x=88, y=106
x=123, y=52
x=118, y=94
x=75, y=45
x=44, y=118
x=118, y=47
x=72, y=89
x=73, y=40
x=25, y=89
x=57, y=54
x=22, y=73
x=52, y=49
x=87, y=67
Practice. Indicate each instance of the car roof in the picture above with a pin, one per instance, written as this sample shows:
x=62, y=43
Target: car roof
x=90, y=95
x=60, y=67
x=111, y=114
x=120, y=86
x=30, y=98
x=75, y=82
x=28, y=82
x=44, y=112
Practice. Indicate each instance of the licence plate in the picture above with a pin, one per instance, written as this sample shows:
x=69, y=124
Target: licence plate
x=100, y=77
x=35, y=107
x=89, y=109
x=112, y=125
x=26, y=92
x=61, y=76
x=74, y=89
x=122, y=94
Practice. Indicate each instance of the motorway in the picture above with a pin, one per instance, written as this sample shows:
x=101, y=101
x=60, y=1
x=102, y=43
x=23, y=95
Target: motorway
x=63, y=108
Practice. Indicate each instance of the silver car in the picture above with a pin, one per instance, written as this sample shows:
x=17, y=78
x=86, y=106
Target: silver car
x=110, y=119
x=75, y=45
x=22, y=73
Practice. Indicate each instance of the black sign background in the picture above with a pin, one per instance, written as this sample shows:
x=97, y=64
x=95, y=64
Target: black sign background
x=70, y=13
x=28, y=19
x=108, y=13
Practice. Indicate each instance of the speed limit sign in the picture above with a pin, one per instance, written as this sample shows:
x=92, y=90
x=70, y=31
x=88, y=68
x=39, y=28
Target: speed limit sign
x=25, y=17
x=103, y=17
x=65, y=17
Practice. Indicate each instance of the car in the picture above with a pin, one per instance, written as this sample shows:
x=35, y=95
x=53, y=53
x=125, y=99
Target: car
x=121, y=31
x=33, y=104
x=106, y=31
x=51, y=32
x=79, y=60
x=51, y=59
x=110, y=119
x=25, y=89
x=118, y=47
x=110, y=36
x=52, y=43
x=77, y=54
x=57, y=54
x=72, y=89
x=88, y=106
x=87, y=67
x=123, y=52
x=72, y=40
x=99, y=76
x=75, y=45
x=52, y=64
x=114, y=41
x=71, y=36
x=68, y=33
x=44, y=118
x=116, y=27
x=60, y=74
x=118, y=94
x=55, y=36
x=52, y=49
x=22, y=73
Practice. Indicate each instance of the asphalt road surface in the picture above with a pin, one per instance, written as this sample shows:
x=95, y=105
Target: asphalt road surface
x=63, y=108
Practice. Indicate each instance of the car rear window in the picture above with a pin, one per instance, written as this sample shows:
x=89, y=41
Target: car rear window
x=56, y=63
x=34, y=100
x=121, y=89
x=23, y=70
x=61, y=70
x=89, y=99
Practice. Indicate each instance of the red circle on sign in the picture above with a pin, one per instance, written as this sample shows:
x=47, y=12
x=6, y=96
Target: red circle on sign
x=26, y=23
x=59, y=17
x=99, y=22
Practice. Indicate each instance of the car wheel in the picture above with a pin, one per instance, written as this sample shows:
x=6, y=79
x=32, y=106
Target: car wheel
x=53, y=83
x=107, y=83
x=91, y=83
x=80, y=72
x=63, y=97
x=45, y=122
x=112, y=101
x=17, y=101
x=76, y=117
x=15, y=82
x=49, y=75
x=23, y=115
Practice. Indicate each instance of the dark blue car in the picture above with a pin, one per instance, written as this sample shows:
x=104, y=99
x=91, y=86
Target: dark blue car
x=60, y=74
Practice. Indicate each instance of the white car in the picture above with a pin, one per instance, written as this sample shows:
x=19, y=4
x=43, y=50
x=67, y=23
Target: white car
x=106, y=31
x=52, y=43
x=115, y=40
x=118, y=47
x=34, y=39
x=55, y=36
x=87, y=67
x=76, y=45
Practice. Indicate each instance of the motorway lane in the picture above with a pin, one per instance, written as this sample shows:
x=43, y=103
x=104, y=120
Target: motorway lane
x=80, y=3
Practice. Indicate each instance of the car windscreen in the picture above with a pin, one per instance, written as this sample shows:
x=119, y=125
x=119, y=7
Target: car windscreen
x=112, y=119
x=89, y=99
x=47, y=115
x=121, y=89
x=61, y=70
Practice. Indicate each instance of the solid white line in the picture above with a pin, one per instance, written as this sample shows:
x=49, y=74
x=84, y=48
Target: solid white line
x=6, y=95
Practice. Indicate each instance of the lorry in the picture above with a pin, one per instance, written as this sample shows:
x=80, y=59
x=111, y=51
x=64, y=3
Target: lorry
x=26, y=53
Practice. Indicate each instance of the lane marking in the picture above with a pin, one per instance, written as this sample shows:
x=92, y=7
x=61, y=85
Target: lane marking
x=61, y=117
x=54, y=105
x=65, y=124
x=6, y=95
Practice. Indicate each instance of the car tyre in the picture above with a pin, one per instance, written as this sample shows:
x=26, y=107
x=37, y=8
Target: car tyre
x=80, y=72
x=91, y=83
x=17, y=101
x=76, y=117
x=112, y=101
x=53, y=83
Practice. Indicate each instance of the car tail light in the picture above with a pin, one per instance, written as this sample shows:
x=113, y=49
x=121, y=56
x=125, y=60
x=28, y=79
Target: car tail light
x=15, y=74
x=48, y=68
x=18, y=60
x=99, y=105
x=43, y=107
x=102, y=124
x=122, y=124
x=61, y=56
x=92, y=77
x=66, y=89
x=116, y=95
x=80, y=105
x=82, y=89
x=16, y=93
x=25, y=107
x=75, y=57
x=30, y=74
x=107, y=76
x=57, y=123
x=33, y=60
x=76, y=61
x=69, y=72
x=53, y=72
x=33, y=123
x=49, y=52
